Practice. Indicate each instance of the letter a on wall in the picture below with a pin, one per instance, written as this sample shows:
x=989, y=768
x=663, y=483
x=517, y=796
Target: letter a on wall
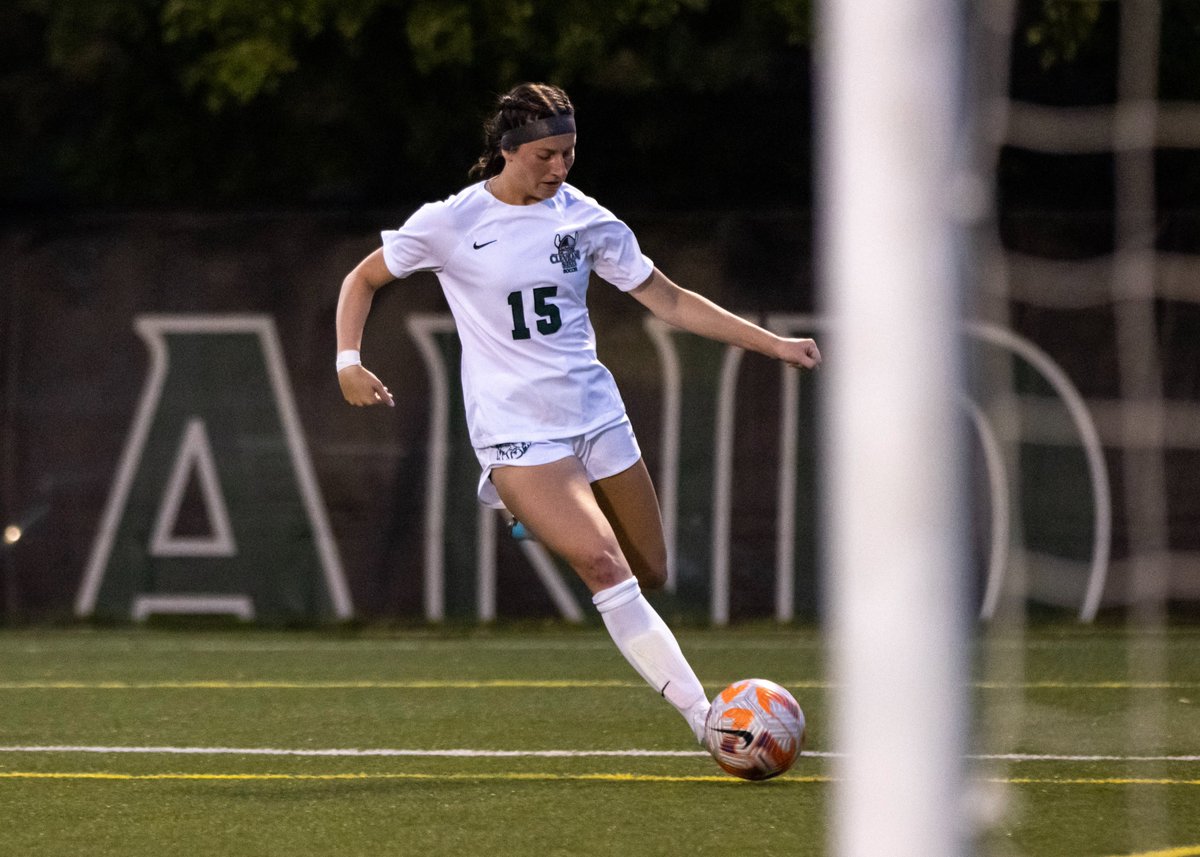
x=216, y=434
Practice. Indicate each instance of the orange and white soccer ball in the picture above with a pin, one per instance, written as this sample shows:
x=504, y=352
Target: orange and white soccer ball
x=755, y=729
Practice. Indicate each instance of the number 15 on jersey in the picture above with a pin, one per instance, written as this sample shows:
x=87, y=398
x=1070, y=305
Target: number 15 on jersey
x=549, y=319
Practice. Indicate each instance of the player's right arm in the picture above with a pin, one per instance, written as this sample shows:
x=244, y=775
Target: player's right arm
x=359, y=385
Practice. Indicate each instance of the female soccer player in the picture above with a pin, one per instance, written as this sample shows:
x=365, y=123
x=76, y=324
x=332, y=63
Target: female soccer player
x=513, y=254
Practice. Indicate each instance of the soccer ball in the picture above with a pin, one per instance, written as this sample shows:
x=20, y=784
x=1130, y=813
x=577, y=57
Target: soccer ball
x=755, y=729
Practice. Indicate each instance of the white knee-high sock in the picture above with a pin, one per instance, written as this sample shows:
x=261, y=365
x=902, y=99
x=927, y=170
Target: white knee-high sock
x=650, y=647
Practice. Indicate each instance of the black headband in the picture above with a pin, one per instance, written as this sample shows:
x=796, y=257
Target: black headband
x=551, y=126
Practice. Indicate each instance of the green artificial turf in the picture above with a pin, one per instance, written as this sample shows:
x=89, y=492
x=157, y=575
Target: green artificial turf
x=1054, y=694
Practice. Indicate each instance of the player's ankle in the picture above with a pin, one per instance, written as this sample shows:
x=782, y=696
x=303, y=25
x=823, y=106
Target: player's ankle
x=697, y=716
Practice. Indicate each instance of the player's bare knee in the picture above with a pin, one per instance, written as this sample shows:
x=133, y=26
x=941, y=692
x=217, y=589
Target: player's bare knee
x=601, y=568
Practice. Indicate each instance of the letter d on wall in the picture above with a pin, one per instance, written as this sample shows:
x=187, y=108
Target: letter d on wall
x=216, y=421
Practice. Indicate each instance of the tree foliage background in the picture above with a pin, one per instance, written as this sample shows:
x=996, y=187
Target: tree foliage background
x=215, y=102
x=682, y=103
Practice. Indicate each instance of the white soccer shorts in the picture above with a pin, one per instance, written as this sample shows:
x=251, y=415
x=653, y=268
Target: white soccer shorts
x=604, y=452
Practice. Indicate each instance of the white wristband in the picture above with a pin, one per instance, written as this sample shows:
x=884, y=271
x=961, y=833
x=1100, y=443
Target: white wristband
x=349, y=357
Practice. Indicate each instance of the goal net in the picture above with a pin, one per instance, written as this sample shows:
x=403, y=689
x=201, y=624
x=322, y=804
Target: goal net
x=1080, y=335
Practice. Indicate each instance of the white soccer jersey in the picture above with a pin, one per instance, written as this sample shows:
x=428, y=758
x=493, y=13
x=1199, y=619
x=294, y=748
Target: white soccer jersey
x=516, y=279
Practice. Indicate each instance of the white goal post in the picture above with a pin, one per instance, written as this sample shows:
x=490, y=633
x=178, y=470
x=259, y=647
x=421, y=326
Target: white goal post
x=892, y=190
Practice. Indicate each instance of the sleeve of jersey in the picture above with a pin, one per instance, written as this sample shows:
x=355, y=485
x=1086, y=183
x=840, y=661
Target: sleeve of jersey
x=423, y=243
x=616, y=256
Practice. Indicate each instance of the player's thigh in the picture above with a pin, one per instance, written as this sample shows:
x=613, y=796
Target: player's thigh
x=630, y=503
x=557, y=504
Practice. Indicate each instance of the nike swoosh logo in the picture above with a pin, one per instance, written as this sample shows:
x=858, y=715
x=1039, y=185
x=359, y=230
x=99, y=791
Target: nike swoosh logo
x=747, y=737
x=484, y=244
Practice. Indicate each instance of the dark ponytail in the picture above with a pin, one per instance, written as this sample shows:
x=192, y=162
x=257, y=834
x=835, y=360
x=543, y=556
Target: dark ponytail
x=524, y=103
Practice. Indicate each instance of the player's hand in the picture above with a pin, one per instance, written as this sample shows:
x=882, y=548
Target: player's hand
x=361, y=387
x=800, y=352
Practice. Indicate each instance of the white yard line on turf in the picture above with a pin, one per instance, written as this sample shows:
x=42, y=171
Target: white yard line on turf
x=57, y=647
x=519, y=684
x=473, y=753
x=351, y=752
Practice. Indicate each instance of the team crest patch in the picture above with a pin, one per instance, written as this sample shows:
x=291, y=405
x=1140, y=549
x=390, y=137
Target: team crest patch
x=510, y=451
x=568, y=254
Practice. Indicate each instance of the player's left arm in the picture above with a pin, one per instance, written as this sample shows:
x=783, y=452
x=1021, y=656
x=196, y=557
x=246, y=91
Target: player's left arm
x=695, y=313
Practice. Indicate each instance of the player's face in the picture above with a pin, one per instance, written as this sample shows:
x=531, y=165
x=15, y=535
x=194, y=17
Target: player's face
x=537, y=169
